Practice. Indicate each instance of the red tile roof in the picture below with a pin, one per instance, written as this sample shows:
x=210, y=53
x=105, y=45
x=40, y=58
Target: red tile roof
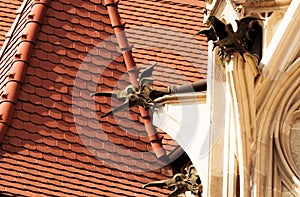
x=160, y=32
x=57, y=144
x=8, y=12
x=118, y=26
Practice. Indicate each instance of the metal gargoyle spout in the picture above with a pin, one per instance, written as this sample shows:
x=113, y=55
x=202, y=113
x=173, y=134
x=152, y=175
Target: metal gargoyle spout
x=132, y=96
x=180, y=183
x=176, y=183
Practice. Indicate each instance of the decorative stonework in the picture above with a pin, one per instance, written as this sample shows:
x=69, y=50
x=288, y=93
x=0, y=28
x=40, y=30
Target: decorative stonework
x=240, y=76
x=285, y=192
x=295, y=143
x=181, y=183
x=265, y=105
x=277, y=93
x=278, y=122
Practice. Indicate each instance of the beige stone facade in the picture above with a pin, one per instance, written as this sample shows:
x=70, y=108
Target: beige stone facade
x=260, y=141
x=248, y=143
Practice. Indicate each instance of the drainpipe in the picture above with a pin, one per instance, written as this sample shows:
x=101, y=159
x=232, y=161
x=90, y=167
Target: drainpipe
x=118, y=26
x=22, y=57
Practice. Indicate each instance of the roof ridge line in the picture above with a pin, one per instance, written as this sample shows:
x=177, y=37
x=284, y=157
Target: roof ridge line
x=22, y=57
x=118, y=26
x=9, y=34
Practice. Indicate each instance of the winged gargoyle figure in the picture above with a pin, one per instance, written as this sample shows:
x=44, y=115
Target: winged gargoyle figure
x=244, y=26
x=181, y=183
x=228, y=40
x=209, y=33
x=231, y=43
x=176, y=183
x=135, y=96
x=193, y=181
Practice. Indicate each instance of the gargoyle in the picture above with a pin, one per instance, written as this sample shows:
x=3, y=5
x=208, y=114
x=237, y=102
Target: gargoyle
x=244, y=26
x=231, y=42
x=228, y=40
x=193, y=181
x=209, y=33
x=145, y=95
x=176, y=183
x=180, y=183
x=132, y=96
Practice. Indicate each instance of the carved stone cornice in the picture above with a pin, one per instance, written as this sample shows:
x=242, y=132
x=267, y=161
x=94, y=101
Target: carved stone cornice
x=250, y=6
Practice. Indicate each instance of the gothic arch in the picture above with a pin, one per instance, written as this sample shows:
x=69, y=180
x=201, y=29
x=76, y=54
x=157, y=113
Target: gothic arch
x=275, y=117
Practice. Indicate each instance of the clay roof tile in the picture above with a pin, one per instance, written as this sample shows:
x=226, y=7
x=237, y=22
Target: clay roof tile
x=73, y=151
